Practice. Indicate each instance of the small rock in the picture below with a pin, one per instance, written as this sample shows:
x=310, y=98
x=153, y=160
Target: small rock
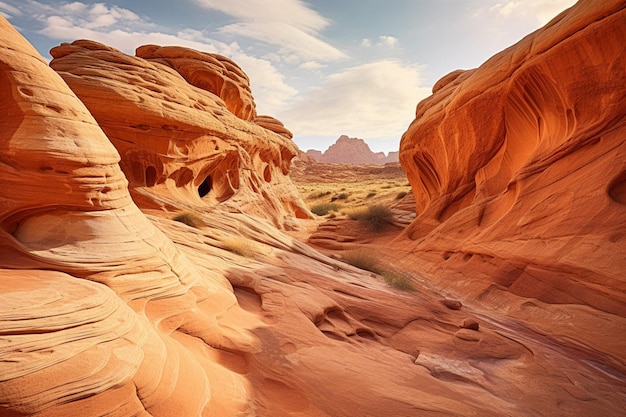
x=470, y=324
x=468, y=335
x=452, y=304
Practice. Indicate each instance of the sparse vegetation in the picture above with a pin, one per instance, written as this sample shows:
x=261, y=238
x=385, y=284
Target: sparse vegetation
x=190, y=219
x=397, y=280
x=324, y=208
x=376, y=217
x=401, y=195
x=240, y=246
x=362, y=187
x=318, y=194
x=363, y=260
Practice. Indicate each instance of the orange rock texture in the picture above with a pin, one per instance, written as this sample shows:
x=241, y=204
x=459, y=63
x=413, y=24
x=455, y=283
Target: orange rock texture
x=518, y=167
x=185, y=125
x=110, y=307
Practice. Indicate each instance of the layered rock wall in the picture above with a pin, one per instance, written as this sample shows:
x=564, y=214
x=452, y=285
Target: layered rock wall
x=522, y=163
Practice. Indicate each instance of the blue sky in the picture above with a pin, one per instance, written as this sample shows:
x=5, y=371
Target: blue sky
x=323, y=67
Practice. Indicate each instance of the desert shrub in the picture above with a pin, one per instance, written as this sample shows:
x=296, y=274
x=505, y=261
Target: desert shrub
x=239, y=245
x=362, y=260
x=370, y=195
x=324, y=208
x=190, y=219
x=375, y=217
x=318, y=194
x=397, y=280
x=368, y=262
x=400, y=195
x=357, y=214
x=342, y=196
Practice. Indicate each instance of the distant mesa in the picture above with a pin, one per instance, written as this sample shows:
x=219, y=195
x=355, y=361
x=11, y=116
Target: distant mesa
x=348, y=150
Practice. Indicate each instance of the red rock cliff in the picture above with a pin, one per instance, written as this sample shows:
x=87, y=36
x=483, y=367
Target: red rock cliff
x=519, y=167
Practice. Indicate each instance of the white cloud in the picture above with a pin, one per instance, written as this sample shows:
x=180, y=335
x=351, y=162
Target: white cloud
x=388, y=40
x=366, y=43
x=124, y=30
x=288, y=24
x=539, y=12
x=291, y=39
x=312, y=65
x=373, y=100
x=9, y=11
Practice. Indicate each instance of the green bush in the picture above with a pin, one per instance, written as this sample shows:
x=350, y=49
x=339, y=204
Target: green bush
x=324, y=208
x=190, y=219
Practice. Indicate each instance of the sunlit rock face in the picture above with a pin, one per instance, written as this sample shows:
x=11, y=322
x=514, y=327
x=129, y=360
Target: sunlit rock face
x=100, y=314
x=185, y=125
x=519, y=167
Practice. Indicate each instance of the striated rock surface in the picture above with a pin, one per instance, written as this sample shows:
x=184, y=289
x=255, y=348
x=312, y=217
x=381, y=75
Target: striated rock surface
x=348, y=150
x=100, y=314
x=108, y=310
x=519, y=167
x=186, y=128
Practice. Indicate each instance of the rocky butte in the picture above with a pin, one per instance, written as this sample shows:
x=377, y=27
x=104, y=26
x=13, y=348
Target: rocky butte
x=348, y=150
x=514, y=242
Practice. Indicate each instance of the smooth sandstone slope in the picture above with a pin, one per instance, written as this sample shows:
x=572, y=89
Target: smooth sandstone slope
x=518, y=167
x=185, y=125
x=313, y=336
x=99, y=311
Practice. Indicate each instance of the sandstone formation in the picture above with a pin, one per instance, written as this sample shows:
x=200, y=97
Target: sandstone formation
x=185, y=125
x=520, y=165
x=348, y=150
x=109, y=310
x=100, y=313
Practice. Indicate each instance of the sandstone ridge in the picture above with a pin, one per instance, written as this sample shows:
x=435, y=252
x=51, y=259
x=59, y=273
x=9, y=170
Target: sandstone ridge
x=513, y=244
x=185, y=125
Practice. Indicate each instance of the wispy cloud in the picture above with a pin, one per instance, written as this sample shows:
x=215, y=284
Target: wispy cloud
x=289, y=24
x=540, y=10
x=370, y=101
x=123, y=29
x=9, y=11
x=514, y=12
x=383, y=40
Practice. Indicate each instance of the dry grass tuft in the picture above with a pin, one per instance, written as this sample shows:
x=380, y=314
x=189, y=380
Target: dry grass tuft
x=240, y=246
x=190, y=219
x=363, y=260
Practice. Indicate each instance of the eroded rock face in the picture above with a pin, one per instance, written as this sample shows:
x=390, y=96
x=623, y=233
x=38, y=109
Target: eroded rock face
x=518, y=167
x=97, y=306
x=185, y=125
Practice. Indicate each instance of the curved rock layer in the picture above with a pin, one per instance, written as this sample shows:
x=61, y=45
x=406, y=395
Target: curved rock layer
x=518, y=167
x=99, y=311
x=185, y=126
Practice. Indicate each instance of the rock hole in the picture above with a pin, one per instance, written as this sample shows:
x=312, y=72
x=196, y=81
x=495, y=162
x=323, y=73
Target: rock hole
x=617, y=189
x=205, y=186
x=26, y=91
x=267, y=174
x=151, y=175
